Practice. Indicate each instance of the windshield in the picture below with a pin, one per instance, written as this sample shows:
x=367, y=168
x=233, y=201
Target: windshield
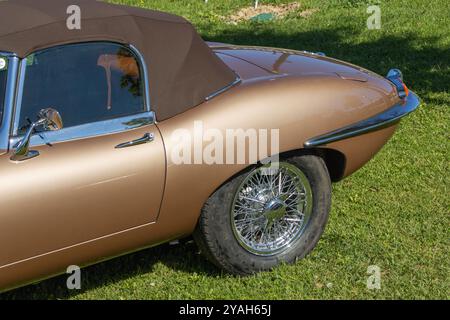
x=3, y=72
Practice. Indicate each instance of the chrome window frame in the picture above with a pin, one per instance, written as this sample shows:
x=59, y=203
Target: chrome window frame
x=87, y=130
x=8, y=108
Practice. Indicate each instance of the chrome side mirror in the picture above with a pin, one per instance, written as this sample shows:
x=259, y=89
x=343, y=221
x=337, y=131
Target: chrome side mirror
x=50, y=120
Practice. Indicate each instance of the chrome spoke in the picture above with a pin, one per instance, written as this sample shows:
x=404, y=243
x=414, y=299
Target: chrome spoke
x=270, y=211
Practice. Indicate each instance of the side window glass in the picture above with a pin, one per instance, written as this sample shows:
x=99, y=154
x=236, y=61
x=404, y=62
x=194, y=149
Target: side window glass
x=86, y=83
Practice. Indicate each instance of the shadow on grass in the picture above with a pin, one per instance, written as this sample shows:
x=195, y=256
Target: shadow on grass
x=183, y=257
x=426, y=67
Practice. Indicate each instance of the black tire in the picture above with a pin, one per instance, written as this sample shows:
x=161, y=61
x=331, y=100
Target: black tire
x=216, y=240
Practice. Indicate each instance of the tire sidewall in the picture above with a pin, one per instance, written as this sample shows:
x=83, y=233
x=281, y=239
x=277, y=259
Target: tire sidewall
x=239, y=258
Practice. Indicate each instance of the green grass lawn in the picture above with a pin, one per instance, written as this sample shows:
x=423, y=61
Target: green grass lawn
x=393, y=213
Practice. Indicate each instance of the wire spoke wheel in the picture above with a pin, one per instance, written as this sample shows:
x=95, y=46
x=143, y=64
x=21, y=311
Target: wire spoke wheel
x=271, y=208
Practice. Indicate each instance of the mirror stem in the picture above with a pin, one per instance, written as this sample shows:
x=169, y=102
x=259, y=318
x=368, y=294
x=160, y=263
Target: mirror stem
x=22, y=151
x=49, y=119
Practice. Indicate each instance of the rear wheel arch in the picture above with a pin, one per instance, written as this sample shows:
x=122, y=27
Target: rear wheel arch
x=334, y=160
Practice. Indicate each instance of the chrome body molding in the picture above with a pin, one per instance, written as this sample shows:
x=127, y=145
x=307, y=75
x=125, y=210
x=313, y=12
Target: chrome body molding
x=219, y=46
x=7, y=54
x=88, y=130
x=318, y=53
x=8, y=110
x=19, y=94
x=144, y=71
x=218, y=92
x=381, y=120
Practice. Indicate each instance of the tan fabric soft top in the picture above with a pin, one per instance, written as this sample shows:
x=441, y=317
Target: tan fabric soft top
x=182, y=69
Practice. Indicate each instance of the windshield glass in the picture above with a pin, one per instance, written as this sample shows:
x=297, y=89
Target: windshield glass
x=3, y=72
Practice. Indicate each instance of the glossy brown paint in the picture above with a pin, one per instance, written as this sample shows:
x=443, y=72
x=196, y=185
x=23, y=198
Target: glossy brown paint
x=251, y=105
x=301, y=95
x=75, y=192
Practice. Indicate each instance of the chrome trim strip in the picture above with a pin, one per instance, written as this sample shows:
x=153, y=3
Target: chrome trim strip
x=220, y=91
x=8, y=110
x=381, y=120
x=144, y=70
x=266, y=49
x=8, y=54
x=88, y=130
x=18, y=103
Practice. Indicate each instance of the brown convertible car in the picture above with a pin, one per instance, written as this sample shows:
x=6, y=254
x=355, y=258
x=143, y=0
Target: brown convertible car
x=124, y=130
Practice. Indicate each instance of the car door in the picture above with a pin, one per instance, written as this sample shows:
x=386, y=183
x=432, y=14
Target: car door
x=102, y=173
